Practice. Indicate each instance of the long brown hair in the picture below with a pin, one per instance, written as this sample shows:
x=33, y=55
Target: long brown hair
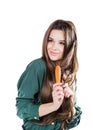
x=69, y=67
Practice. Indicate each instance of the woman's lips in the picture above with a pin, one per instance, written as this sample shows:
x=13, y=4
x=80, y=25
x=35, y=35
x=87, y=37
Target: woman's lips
x=53, y=53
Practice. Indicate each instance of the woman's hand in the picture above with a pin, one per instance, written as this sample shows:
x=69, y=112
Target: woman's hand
x=57, y=95
x=67, y=91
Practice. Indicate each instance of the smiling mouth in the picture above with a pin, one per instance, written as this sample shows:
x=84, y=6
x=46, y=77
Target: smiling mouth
x=53, y=53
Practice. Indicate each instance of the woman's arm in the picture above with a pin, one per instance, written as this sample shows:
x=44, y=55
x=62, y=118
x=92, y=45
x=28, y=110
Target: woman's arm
x=58, y=97
x=45, y=109
x=29, y=85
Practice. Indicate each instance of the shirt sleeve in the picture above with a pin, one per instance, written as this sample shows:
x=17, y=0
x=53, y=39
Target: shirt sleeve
x=77, y=117
x=29, y=85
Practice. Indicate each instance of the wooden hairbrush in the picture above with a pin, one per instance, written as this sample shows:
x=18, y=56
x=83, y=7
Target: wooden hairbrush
x=57, y=73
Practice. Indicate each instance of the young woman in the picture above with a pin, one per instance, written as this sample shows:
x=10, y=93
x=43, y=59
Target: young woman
x=43, y=103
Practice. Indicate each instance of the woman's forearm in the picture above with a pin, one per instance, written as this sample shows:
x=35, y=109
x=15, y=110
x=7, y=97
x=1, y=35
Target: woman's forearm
x=45, y=109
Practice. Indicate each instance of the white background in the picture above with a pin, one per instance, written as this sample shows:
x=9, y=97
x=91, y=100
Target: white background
x=22, y=27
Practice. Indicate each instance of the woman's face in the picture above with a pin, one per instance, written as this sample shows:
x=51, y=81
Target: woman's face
x=55, y=46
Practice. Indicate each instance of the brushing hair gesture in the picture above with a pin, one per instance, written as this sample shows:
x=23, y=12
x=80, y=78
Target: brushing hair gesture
x=45, y=101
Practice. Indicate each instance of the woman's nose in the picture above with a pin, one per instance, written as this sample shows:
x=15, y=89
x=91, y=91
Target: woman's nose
x=54, y=45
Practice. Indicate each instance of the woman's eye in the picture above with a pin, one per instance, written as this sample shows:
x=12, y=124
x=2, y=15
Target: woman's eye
x=50, y=40
x=63, y=43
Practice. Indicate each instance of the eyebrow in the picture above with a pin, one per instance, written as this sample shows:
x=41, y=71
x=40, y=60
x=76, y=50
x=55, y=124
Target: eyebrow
x=59, y=40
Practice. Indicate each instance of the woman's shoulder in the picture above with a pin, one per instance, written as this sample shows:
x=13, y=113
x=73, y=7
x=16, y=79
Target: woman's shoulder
x=36, y=67
x=38, y=63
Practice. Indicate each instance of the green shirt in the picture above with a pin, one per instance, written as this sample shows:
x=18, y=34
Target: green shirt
x=28, y=101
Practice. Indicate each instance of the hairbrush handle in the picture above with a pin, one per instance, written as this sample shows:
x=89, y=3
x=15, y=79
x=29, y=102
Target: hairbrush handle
x=57, y=73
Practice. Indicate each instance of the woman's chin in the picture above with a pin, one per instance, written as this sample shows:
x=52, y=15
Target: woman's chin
x=54, y=58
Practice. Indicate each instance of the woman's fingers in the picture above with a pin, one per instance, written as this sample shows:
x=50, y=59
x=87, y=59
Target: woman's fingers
x=68, y=92
x=56, y=85
x=58, y=96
